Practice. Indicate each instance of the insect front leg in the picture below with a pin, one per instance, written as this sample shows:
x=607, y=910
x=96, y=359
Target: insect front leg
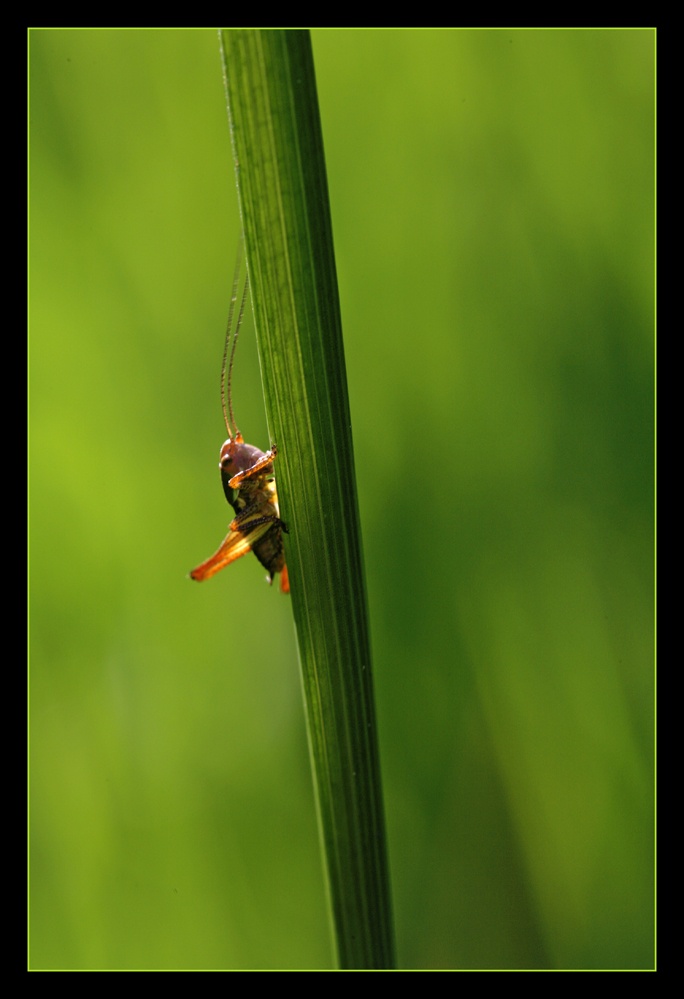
x=254, y=469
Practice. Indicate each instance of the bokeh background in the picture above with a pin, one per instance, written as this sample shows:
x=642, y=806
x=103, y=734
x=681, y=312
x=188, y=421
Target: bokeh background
x=493, y=209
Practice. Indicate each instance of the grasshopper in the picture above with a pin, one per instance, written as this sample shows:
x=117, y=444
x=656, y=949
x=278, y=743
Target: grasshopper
x=247, y=478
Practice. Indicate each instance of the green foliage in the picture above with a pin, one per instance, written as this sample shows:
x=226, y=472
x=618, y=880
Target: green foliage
x=492, y=207
x=283, y=194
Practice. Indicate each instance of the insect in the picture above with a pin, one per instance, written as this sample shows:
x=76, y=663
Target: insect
x=247, y=478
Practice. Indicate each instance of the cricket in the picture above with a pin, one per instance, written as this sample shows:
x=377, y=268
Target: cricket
x=247, y=476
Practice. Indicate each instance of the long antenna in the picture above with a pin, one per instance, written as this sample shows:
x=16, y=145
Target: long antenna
x=233, y=431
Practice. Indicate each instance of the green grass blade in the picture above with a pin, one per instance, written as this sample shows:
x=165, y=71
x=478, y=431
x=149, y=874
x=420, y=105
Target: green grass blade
x=282, y=185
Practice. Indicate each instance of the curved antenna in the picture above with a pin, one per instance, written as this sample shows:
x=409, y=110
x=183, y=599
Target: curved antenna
x=228, y=416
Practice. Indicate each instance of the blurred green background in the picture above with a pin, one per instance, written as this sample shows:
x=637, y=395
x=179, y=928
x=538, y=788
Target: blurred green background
x=493, y=203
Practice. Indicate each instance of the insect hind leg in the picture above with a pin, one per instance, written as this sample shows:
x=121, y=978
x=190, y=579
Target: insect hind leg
x=248, y=524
